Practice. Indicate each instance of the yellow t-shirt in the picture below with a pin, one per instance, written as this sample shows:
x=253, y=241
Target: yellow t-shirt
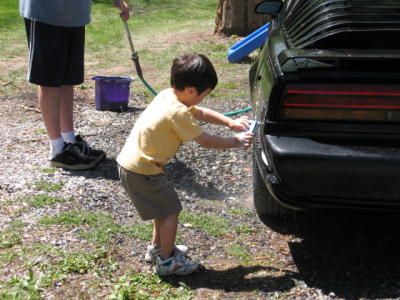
x=157, y=135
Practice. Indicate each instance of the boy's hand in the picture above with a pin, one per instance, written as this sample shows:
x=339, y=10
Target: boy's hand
x=240, y=125
x=244, y=139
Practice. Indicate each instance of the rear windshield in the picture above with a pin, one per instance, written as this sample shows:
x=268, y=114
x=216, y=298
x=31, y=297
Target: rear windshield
x=333, y=24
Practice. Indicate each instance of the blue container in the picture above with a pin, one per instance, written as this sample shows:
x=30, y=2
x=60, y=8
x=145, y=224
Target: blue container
x=112, y=93
x=250, y=43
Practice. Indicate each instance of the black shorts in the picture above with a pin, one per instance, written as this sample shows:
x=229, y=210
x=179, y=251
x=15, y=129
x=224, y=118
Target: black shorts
x=55, y=54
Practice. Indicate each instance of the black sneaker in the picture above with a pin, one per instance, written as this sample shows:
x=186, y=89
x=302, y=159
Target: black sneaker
x=72, y=159
x=98, y=155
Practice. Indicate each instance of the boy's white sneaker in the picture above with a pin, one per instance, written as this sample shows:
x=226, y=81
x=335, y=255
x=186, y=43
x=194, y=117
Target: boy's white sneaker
x=175, y=265
x=152, y=252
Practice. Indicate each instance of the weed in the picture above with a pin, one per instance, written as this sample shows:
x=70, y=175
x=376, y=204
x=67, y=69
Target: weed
x=101, y=226
x=43, y=185
x=245, y=229
x=43, y=200
x=16, y=224
x=9, y=202
x=74, y=218
x=6, y=257
x=81, y=262
x=41, y=131
x=239, y=251
x=214, y=225
x=145, y=286
x=142, y=231
x=27, y=287
x=9, y=238
x=228, y=85
x=49, y=170
x=240, y=212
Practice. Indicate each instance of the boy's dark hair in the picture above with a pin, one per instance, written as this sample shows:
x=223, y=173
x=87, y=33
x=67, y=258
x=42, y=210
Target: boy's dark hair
x=194, y=70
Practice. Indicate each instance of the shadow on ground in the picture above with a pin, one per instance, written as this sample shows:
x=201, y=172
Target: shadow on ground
x=181, y=176
x=184, y=178
x=354, y=255
x=236, y=280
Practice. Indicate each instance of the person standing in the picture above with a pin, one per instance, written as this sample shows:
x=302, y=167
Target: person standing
x=55, y=31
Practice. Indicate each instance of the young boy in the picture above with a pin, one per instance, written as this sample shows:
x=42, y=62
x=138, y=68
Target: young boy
x=167, y=122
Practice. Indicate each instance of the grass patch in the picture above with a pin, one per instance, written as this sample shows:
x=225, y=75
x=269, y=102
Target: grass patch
x=27, y=287
x=239, y=251
x=214, y=225
x=245, y=229
x=43, y=185
x=17, y=224
x=49, y=170
x=74, y=217
x=143, y=231
x=7, y=256
x=9, y=238
x=240, y=212
x=80, y=262
x=145, y=286
x=43, y=200
x=100, y=226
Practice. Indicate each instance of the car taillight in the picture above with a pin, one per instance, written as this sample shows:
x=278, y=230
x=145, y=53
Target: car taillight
x=341, y=102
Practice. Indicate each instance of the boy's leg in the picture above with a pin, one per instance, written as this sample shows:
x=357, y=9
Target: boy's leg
x=49, y=101
x=66, y=108
x=167, y=227
x=156, y=242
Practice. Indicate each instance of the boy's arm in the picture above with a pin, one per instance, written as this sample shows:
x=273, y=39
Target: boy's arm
x=210, y=116
x=243, y=139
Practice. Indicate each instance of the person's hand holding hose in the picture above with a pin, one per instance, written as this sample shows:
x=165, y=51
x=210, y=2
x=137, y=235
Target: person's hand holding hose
x=124, y=9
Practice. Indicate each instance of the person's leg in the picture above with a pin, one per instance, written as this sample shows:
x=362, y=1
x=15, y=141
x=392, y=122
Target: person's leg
x=67, y=113
x=156, y=242
x=167, y=234
x=49, y=101
x=67, y=108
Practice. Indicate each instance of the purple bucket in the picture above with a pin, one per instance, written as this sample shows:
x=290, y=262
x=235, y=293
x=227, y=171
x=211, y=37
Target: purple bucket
x=112, y=93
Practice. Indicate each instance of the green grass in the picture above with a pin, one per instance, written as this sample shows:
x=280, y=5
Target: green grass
x=99, y=226
x=211, y=224
x=245, y=229
x=240, y=212
x=11, y=236
x=144, y=286
x=49, y=170
x=239, y=251
x=80, y=262
x=24, y=288
x=43, y=185
x=42, y=200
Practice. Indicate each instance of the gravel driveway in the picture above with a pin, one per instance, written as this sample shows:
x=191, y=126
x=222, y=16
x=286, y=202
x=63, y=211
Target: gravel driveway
x=322, y=256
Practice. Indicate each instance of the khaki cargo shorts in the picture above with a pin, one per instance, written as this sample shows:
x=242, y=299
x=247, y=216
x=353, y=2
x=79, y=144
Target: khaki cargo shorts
x=153, y=195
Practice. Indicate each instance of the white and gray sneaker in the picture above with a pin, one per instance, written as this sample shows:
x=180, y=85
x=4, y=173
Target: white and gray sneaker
x=152, y=252
x=175, y=265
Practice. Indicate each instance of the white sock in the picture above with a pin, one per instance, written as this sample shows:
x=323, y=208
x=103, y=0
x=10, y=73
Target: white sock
x=69, y=137
x=56, y=146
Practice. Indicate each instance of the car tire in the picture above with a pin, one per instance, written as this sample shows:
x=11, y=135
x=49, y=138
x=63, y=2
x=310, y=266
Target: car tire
x=270, y=211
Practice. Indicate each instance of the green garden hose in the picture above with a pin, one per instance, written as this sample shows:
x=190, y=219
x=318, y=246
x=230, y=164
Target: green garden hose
x=135, y=59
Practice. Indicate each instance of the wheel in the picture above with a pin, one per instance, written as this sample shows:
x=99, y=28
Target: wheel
x=268, y=209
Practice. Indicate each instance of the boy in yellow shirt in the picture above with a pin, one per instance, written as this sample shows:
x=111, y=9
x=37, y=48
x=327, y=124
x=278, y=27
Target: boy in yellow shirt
x=169, y=121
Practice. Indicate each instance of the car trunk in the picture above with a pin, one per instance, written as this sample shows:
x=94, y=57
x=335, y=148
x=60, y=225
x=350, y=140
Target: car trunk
x=333, y=120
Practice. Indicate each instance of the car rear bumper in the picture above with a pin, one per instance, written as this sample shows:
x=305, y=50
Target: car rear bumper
x=307, y=173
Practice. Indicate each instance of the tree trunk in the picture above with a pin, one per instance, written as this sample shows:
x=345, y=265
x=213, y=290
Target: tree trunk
x=238, y=17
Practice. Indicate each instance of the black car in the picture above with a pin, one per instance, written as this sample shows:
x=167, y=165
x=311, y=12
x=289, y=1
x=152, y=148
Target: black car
x=326, y=92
